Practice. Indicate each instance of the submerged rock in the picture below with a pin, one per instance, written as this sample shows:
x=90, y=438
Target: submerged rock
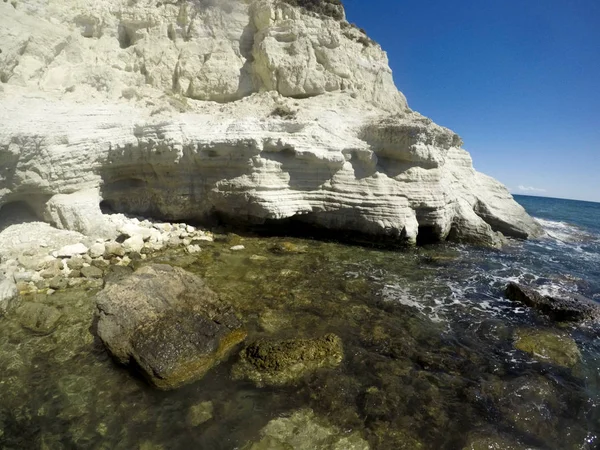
x=551, y=346
x=268, y=362
x=485, y=442
x=168, y=323
x=575, y=308
x=303, y=430
x=200, y=413
x=38, y=317
x=287, y=247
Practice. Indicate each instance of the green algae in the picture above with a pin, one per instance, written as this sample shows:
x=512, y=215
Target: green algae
x=269, y=362
x=551, y=346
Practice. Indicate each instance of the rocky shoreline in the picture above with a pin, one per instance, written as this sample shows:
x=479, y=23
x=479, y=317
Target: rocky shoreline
x=311, y=332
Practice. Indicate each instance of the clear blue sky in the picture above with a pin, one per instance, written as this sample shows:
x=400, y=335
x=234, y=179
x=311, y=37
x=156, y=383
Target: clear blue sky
x=518, y=80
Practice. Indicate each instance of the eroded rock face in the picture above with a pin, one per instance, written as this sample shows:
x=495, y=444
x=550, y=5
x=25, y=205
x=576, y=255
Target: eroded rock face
x=258, y=110
x=168, y=323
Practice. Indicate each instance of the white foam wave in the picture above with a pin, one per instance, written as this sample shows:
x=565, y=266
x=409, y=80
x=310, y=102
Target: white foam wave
x=565, y=232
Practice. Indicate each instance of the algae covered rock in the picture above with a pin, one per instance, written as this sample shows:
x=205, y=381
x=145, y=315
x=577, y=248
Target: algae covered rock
x=168, y=323
x=287, y=248
x=38, y=317
x=273, y=362
x=303, y=430
x=551, y=346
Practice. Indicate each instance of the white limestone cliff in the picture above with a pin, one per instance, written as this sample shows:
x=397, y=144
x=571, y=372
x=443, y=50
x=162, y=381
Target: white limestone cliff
x=253, y=110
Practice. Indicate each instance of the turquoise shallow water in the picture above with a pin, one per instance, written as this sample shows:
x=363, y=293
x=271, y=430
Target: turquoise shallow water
x=429, y=355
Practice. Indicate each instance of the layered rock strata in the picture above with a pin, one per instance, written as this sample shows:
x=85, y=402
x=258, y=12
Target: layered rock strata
x=257, y=110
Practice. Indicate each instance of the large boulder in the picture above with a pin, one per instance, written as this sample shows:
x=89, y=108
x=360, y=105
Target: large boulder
x=272, y=362
x=167, y=323
x=574, y=307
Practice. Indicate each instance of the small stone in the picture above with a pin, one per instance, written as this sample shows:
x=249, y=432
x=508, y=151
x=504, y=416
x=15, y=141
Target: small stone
x=41, y=284
x=91, y=272
x=71, y=250
x=135, y=230
x=190, y=229
x=191, y=249
x=50, y=291
x=23, y=286
x=133, y=244
x=174, y=241
x=102, y=429
x=25, y=276
x=258, y=258
x=100, y=263
x=287, y=248
x=113, y=249
x=58, y=282
x=147, y=250
x=97, y=250
x=134, y=256
x=75, y=274
x=75, y=263
x=51, y=272
x=237, y=248
x=198, y=414
x=73, y=282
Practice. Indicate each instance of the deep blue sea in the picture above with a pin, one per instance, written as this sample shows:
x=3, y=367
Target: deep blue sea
x=571, y=248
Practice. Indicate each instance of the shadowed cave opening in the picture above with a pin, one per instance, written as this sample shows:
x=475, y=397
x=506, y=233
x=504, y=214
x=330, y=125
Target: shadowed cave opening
x=106, y=207
x=16, y=212
x=428, y=235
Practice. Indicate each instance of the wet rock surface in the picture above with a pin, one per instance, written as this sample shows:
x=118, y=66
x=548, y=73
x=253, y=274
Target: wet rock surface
x=168, y=322
x=270, y=362
x=551, y=346
x=572, y=308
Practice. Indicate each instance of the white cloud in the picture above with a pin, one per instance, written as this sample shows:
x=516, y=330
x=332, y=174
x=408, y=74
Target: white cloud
x=530, y=189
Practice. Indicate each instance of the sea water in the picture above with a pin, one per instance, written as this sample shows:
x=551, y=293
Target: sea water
x=429, y=354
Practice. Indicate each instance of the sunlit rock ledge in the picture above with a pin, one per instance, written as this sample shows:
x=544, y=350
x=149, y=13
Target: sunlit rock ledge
x=253, y=110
